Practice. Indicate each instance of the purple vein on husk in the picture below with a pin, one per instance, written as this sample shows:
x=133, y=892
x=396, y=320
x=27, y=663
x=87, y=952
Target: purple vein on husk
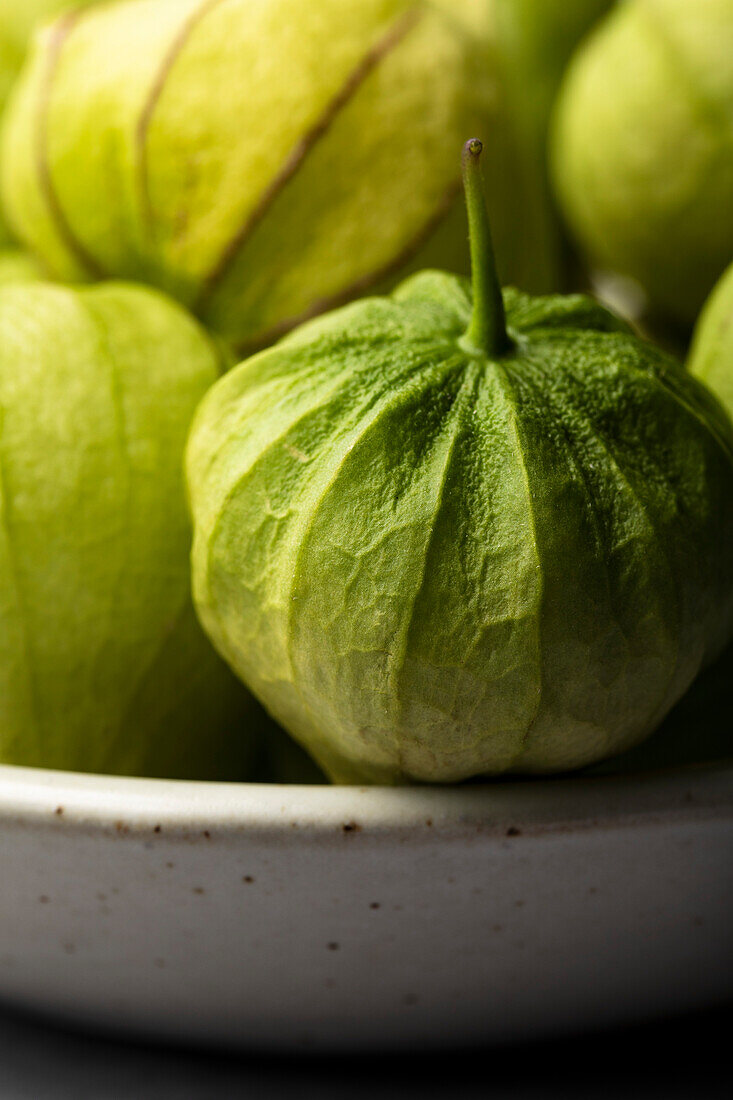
x=363, y=284
x=59, y=35
x=155, y=94
x=297, y=155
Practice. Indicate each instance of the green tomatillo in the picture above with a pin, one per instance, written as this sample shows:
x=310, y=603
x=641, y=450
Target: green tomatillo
x=243, y=156
x=642, y=148
x=456, y=532
x=103, y=666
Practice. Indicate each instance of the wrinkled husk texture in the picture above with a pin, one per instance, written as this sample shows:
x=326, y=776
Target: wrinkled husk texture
x=431, y=566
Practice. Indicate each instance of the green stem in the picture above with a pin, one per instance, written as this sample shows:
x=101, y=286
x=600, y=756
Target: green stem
x=486, y=334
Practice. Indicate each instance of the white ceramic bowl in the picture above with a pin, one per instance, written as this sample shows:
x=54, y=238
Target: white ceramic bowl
x=318, y=917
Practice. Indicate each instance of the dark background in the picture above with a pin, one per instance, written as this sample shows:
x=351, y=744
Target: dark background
x=683, y=1057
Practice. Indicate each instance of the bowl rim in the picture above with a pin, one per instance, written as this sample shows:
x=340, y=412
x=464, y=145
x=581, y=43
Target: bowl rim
x=506, y=809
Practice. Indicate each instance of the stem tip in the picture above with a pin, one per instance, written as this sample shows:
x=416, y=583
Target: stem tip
x=473, y=148
x=486, y=334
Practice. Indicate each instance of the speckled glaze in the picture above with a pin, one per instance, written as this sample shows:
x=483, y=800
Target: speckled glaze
x=328, y=918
